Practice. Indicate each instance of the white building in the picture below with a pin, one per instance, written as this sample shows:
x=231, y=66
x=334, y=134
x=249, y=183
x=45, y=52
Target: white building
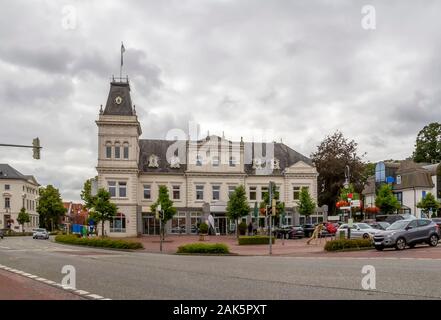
x=410, y=183
x=195, y=172
x=17, y=191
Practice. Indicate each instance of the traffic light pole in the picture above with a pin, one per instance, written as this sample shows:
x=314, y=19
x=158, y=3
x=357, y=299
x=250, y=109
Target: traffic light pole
x=35, y=146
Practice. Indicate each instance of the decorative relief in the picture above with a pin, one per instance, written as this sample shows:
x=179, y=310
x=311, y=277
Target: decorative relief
x=153, y=161
x=175, y=163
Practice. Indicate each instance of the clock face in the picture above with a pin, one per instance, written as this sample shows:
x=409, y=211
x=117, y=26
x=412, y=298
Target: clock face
x=118, y=100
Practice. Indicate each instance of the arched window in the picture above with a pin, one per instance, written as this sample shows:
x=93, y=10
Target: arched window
x=199, y=160
x=117, y=150
x=108, y=150
x=118, y=223
x=126, y=150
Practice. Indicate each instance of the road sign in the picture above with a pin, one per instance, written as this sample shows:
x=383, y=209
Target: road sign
x=390, y=179
x=345, y=208
x=355, y=203
x=350, y=223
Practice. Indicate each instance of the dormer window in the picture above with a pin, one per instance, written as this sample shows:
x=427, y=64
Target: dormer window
x=175, y=162
x=153, y=161
x=275, y=164
x=257, y=163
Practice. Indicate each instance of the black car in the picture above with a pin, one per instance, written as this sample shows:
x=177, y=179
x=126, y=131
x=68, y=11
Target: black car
x=380, y=225
x=308, y=229
x=2, y=234
x=296, y=232
x=282, y=231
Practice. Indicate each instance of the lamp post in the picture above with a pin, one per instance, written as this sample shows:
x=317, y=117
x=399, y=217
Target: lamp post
x=159, y=216
x=346, y=185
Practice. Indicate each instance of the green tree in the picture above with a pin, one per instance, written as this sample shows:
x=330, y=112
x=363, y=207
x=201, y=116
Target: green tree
x=386, y=201
x=86, y=193
x=333, y=154
x=428, y=144
x=429, y=203
x=306, y=203
x=23, y=217
x=50, y=207
x=166, y=207
x=237, y=205
x=102, y=209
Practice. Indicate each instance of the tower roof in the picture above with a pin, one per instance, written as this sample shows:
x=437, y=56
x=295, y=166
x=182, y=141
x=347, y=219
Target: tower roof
x=119, y=102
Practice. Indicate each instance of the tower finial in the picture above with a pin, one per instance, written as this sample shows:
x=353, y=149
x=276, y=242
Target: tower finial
x=101, y=109
x=134, y=110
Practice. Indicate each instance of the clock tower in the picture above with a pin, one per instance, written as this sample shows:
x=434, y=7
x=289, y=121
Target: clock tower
x=118, y=157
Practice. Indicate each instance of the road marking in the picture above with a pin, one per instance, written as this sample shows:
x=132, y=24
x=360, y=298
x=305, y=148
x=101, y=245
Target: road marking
x=5, y=247
x=55, y=284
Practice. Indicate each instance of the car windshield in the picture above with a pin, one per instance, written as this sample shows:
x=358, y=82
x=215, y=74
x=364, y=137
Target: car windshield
x=398, y=225
x=364, y=226
x=384, y=224
x=40, y=230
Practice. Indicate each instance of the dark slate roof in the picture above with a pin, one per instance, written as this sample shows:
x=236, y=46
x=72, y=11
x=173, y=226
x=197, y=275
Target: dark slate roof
x=8, y=172
x=159, y=148
x=282, y=152
x=413, y=176
x=121, y=89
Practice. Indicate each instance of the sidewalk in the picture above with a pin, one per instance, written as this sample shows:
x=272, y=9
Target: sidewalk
x=17, y=287
x=281, y=247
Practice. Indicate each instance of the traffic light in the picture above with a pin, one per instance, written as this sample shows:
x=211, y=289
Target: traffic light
x=273, y=209
x=36, y=148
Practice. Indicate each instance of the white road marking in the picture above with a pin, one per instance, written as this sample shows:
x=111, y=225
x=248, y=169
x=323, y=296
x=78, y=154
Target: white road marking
x=54, y=284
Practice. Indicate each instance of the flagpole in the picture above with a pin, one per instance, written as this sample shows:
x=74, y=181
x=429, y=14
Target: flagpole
x=120, y=68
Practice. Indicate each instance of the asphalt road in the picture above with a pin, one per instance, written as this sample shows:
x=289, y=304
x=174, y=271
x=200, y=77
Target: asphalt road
x=141, y=275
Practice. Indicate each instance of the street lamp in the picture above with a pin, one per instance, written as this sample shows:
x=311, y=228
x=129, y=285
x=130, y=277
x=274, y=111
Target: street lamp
x=346, y=185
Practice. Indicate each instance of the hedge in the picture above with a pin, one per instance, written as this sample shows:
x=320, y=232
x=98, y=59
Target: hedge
x=99, y=242
x=245, y=240
x=216, y=248
x=11, y=233
x=344, y=244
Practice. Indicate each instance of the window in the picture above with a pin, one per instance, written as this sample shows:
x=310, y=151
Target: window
x=423, y=223
x=296, y=192
x=264, y=190
x=231, y=190
x=216, y=192
x=147, y=192
x=7, y=203
x=108, y=150
x=117, y=151
x=118, y=223
x=176, y=192
x=253, y=193
x=122, y=189
x=232, y=162
x=398, y=179
x=399, y=196
x=178, y=223
x=215, y=161
x=126, y=150
x=199, y=192
x=7, y=187
x=195, y=220
x=112, y=188
x=199, y=160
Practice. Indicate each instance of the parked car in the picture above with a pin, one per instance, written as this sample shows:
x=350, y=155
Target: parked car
x=408, y=233
x=380, y=225
x=308, y=229
x=296, y=232
x=2, y=234
x=40, y=233
x=391, y=218
x=359, y=230
x=437, y=221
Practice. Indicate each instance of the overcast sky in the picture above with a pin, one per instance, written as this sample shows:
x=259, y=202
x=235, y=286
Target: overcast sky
x=291, y=70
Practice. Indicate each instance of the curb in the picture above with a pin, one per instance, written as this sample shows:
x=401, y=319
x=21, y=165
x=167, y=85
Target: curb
x=82, y=293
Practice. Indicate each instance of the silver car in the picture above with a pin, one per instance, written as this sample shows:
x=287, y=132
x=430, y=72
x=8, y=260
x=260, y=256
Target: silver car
x=358, y=230
x=404, y=233
x=40, y=233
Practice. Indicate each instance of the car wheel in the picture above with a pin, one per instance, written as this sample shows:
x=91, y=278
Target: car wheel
x=433, y=240
x=400, y=244
x=366, y=236
x=379, y=248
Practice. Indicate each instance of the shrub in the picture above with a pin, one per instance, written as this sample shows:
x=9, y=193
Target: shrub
x=245, y=240
x=12, y=233
x=203, y=228
x=242, y=228
x=99, y=242
x=216, y=248
x=344, y=244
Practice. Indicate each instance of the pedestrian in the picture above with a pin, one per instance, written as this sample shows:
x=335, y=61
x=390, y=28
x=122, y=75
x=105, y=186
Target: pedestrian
x=316, y=233
x=250, y=229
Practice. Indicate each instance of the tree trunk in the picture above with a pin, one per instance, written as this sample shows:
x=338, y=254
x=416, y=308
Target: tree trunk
x=237, y=229
x=102, y=228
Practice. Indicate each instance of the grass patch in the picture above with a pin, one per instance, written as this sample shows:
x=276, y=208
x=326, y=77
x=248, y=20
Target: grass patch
x=348, y=244
x=248, y=240
x=99, y=242
x=215, y=248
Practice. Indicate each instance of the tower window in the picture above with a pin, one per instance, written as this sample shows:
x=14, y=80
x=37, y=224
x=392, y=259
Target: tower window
x=108, y=150
x=117, y=151
x=126, y=150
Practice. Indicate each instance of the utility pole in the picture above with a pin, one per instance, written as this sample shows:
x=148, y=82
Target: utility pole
x=159, y=216
x=269, y=218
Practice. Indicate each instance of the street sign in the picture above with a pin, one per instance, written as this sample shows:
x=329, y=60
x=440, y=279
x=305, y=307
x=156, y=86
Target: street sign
x=355, y=203
x=350, y=223
x=345, y=208
x=350, y=196
x=390, y=179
